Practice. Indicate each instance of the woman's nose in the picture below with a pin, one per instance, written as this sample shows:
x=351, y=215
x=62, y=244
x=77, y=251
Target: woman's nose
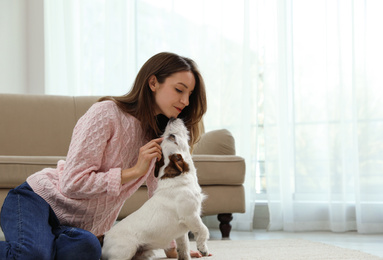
x=185, y=100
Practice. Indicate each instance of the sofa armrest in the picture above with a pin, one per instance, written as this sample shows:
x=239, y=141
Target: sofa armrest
x=217, y=142
x=220, y=169
x=215, y=159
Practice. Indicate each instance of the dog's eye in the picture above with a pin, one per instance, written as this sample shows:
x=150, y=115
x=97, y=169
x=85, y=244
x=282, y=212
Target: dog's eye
x=172, y=137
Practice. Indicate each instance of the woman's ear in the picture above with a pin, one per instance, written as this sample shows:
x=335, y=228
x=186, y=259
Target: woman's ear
x=153, y=82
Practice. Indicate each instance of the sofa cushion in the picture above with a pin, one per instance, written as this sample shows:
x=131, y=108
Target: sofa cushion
x=220, y=199
x=216, y=169
x=39, y=125
x=35, y=125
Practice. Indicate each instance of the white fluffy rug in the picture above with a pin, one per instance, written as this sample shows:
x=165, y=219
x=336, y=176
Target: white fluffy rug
x=277, y=249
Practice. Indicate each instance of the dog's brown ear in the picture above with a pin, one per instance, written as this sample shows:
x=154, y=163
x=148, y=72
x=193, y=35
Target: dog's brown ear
x=176, y=166
x=159, y=164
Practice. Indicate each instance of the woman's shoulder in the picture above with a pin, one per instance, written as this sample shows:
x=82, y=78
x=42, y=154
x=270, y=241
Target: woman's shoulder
x=104, y=104
x=102, y=110
x=109, y=106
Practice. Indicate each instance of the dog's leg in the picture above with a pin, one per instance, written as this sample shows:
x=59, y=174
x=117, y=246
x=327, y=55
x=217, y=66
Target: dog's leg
x=118, y=255
x=201, y=239
x=145, y=255
x=148, y=254
x=183, y=247
x=118, y=249
x=201, y=233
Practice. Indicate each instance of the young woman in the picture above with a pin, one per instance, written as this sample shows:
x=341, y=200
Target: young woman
x=58, y=213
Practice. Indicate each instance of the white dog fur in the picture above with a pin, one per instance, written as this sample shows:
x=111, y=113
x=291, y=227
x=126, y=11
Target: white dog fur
x=170, y=214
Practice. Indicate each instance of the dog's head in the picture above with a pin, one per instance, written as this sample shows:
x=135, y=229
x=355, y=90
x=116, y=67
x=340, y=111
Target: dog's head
x=175, y=150
x=176, y=137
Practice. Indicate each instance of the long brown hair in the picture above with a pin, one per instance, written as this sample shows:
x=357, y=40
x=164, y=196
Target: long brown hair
x=140, y=101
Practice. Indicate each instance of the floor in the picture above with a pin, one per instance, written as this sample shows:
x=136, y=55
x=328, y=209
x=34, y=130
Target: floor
x=372, y=244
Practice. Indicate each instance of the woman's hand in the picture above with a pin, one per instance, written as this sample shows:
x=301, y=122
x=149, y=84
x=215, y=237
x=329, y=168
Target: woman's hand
x=146, y=154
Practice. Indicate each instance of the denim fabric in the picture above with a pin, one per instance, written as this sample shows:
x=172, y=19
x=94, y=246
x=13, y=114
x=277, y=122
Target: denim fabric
x=32, y=231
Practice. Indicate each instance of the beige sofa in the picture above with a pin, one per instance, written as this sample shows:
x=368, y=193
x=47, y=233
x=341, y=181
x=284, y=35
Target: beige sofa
x=35, y=132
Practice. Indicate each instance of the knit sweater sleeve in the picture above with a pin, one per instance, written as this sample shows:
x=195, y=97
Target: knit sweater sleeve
x=82, y=175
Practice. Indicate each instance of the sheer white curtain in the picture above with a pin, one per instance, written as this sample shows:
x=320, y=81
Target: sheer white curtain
x=95, y=47
x=90, y=47
x=324, y=115
x=317, y=61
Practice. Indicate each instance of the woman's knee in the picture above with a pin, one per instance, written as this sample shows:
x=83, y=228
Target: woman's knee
x=78, y=244
x=92, y=247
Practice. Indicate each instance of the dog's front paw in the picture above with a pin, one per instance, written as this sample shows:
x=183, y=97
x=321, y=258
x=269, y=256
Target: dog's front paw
x=203, y=249
x=182, y=255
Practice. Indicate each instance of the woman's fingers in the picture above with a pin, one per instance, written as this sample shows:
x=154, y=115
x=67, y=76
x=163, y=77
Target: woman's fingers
x=154, y=143
x=152, y=149
x=150, y=153
x=158, y=140
x=146, y=154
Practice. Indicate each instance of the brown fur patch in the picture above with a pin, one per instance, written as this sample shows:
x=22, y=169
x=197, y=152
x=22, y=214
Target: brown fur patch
x=176, y=166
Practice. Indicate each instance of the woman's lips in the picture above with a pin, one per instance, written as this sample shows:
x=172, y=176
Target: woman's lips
x=179, y=109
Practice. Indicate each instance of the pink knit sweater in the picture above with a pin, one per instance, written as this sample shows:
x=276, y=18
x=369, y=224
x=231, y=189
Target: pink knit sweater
x=85, y=191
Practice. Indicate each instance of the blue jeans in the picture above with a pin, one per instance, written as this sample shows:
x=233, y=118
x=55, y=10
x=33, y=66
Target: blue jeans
x=32, y=231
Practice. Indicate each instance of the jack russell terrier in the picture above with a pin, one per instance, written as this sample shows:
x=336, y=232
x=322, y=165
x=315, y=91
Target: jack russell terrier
x=172, y=211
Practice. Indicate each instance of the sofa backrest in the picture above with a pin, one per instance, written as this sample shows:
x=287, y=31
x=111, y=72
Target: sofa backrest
x=41, y=124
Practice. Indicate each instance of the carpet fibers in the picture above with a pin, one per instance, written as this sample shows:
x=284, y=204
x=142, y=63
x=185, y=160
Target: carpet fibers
x=276, y=249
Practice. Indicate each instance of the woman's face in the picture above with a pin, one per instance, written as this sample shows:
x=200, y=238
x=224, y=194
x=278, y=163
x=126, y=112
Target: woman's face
x=172, y=96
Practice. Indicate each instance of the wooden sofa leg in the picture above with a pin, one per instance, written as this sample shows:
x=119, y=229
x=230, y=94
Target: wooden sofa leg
x=224, y=225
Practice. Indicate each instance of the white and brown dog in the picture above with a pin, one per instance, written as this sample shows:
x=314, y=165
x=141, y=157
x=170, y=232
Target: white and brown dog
x=170, y=214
